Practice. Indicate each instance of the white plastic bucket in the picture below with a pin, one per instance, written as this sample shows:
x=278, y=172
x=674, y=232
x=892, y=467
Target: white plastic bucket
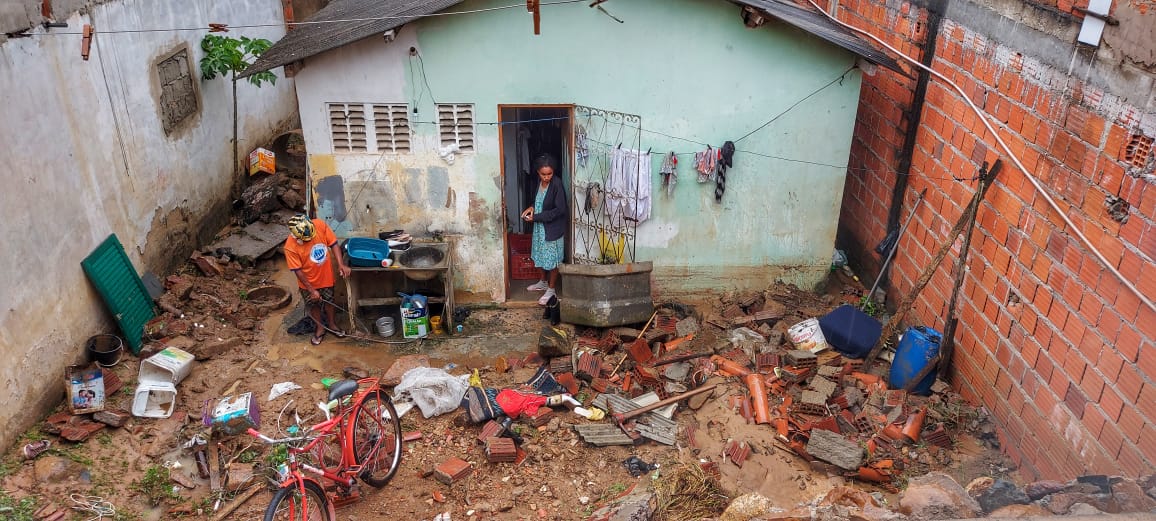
x=171, y=365
x=807, y=335
x=154, y=400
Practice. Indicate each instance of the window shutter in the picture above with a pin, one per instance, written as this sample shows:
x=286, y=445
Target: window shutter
x=456, y=125
x=391, y=128
x=347, y=127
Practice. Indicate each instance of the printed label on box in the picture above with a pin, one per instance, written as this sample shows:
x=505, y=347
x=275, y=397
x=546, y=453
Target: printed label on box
x=85, y=389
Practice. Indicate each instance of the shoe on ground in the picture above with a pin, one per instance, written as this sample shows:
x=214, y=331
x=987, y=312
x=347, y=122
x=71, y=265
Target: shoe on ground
x=541, y=285
x=35, y=448
x=546, y=297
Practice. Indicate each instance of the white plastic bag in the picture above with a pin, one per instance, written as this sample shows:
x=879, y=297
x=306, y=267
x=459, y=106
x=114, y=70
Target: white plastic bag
x=282, y=388
x=433, y=390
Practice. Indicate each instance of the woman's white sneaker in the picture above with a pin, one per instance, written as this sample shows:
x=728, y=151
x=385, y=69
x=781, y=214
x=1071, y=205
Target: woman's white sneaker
x=541, y=285
x=546, y=297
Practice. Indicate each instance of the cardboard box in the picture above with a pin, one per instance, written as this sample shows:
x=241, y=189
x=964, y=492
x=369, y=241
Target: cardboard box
x=85, y=388
x=261, y=160
x=236, y=414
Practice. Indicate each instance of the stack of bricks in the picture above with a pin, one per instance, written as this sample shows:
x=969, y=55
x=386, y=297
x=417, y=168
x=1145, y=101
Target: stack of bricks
x=501, y=450
x=801, y=359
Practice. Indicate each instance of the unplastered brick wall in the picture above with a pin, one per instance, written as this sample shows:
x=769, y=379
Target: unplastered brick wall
x=1053, y=344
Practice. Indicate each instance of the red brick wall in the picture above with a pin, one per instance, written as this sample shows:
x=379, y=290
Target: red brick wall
x=1061, y=354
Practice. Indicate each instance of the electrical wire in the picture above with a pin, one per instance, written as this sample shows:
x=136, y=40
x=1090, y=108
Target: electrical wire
x=795, y=104
x=983, y=117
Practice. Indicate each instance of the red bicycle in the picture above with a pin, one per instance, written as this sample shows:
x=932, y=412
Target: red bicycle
x=361, y=440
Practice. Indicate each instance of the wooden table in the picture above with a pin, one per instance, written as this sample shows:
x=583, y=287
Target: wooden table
x=378, y=286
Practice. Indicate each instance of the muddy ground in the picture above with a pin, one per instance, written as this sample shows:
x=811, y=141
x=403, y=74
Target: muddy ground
x=561, y=478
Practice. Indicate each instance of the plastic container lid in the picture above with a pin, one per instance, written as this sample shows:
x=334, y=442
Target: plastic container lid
x=171, y=365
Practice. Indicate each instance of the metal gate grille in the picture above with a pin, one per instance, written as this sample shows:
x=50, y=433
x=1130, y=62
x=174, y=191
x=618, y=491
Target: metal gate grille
x=601, y=235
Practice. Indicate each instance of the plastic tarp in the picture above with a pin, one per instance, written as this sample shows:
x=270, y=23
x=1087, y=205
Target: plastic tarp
x=434, y=391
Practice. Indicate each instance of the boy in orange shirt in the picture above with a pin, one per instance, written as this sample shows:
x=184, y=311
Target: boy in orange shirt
x=307, y=252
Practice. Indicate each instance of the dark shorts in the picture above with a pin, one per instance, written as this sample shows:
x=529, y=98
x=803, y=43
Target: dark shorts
x=326, y=295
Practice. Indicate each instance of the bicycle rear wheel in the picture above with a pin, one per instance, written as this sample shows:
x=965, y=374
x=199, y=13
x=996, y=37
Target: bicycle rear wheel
x=287, y=504
x=376, y=438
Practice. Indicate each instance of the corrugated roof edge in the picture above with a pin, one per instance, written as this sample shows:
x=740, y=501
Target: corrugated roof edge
x=366, y=18
x=815, y=23
x=313, y=39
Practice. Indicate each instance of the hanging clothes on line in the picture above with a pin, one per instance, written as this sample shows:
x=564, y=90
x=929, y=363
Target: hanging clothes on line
x=581, y=152
x=669, y=172
x=706, y=163
x=726, y=160
x=628, y=187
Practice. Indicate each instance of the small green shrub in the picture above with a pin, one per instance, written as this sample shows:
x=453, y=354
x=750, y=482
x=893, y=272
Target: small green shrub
x=156, y=485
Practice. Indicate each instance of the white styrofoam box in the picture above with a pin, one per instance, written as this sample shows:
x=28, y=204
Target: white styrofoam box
x=154, y=399
x=171, y=365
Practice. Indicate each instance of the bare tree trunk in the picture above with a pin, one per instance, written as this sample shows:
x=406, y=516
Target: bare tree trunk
x=236, y=175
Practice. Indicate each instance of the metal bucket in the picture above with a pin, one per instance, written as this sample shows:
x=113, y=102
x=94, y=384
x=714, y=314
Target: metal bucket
x=385, y=326
x=105, y=349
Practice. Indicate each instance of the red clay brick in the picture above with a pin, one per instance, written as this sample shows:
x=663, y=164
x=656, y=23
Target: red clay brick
x=1112, y=403
x=1109, y=365
x=1147, y=443
x=1111, y=439
x=1147, y=402
x=1132, y=461
x=1130, y=424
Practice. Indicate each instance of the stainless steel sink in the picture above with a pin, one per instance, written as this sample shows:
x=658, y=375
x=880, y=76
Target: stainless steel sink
x=418, y=257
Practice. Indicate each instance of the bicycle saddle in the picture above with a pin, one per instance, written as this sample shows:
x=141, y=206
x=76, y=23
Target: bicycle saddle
x=342, y=389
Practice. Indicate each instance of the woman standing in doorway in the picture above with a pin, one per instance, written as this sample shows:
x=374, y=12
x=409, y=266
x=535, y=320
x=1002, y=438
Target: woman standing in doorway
x=550, y=217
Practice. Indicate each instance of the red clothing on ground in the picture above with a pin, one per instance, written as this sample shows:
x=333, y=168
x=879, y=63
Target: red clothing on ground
x=313, y=257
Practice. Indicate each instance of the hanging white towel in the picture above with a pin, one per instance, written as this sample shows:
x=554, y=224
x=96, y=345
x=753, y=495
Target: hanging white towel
x=629, y=186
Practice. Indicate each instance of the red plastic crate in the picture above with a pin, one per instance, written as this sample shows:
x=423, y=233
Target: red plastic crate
x=520, y=242
x=522, y=267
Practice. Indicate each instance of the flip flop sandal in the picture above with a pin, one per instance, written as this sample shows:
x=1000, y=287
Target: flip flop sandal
x=316, y=340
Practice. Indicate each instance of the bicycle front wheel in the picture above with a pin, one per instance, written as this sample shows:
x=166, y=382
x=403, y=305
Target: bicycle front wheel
x=289, y=504
x=376, y=438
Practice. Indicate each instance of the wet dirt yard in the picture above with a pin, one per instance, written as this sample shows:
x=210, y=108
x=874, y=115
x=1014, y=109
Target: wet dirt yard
x=562, y=477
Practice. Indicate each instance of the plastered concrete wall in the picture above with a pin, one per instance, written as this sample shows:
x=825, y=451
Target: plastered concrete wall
x=85, y=156
x=1049, y=341
x=777, y=218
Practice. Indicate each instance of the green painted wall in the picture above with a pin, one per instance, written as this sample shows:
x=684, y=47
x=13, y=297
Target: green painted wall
x=690, y=69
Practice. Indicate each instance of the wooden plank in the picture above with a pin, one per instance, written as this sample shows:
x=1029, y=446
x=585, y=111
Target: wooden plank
x=896, y=320
x=214, y=466
x=766, y=314
x=948, y=346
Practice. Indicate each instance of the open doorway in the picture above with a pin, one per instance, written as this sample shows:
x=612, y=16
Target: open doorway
x=528, y=131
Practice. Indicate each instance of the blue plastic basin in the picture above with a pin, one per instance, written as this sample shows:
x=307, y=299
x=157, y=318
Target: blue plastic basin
x=364, y=252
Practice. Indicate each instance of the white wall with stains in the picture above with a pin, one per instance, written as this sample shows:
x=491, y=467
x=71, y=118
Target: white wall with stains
x=85, y=156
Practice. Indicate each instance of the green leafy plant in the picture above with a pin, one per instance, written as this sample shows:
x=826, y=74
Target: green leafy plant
x=228, y=56
x=16, y=509
x=868, y=306
x=156, y=485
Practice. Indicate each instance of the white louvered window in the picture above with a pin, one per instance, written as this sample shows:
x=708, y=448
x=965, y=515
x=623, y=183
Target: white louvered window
x=456, y=125
x=347, y=127
x=391, y=128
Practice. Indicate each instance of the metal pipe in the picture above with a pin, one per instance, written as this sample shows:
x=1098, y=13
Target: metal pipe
x=895, y=247
x=1003, y=145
